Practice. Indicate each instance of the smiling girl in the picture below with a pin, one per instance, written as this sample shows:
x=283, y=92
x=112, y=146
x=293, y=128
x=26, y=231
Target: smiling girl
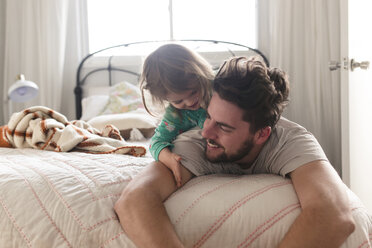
x=176, y=75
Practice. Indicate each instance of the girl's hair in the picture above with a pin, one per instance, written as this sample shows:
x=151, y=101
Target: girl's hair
x=262, y=92
x=175, y=68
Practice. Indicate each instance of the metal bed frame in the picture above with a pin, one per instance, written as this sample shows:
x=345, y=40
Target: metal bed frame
x=81, y=77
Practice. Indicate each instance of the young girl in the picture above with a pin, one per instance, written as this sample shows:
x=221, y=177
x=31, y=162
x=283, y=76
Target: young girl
x=176, y=75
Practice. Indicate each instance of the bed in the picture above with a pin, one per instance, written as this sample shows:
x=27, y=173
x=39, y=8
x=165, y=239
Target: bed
x=66, y=198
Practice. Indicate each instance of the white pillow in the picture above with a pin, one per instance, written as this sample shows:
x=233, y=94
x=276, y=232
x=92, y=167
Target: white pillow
x=123, y=97
x=93, y=106
x=134, y=119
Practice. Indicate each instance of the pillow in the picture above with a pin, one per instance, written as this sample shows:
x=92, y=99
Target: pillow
x=93, y=106
x=123, y=97
x=139, y=119
x=246, y=211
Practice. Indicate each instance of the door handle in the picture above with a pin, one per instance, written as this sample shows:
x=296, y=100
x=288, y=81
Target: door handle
x=364, y=65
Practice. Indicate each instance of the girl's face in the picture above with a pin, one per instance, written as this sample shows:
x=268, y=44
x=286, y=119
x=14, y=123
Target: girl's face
x=189, y=99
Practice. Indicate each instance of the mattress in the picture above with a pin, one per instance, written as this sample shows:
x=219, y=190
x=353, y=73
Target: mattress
x=66, y=199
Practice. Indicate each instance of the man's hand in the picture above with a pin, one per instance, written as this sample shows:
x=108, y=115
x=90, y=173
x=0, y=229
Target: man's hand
x=173, y=162
x=326, y=219
x=141, y=210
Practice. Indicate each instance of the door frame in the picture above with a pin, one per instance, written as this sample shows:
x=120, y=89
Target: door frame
x=344, y=91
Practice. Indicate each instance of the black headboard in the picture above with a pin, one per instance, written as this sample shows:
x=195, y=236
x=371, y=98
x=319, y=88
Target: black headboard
x=203, y=46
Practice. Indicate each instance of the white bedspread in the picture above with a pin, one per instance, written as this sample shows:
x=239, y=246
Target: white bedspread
x=57, y=199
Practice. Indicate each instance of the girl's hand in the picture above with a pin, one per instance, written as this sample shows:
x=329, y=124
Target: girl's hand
x=173, y=162
x=175, y=166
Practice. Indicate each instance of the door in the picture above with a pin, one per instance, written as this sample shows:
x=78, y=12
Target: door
x=356, y=99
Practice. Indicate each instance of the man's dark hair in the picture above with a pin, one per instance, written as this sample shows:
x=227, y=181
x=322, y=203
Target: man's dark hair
x=260, y=91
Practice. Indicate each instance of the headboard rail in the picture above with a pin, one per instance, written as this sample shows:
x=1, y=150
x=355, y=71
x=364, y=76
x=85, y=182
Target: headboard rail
x=230, y=48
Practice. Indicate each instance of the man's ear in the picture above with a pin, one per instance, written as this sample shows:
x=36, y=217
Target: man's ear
x=262, y=135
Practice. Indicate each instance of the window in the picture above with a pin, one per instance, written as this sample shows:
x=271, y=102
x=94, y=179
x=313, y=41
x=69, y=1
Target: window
x=113, y=22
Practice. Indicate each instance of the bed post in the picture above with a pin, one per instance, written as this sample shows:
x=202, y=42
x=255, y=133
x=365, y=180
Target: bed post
x=78, y=108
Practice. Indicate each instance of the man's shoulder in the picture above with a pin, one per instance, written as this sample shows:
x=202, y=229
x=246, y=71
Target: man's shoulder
x=290, y=145
x=287, y=124
x=287, y=128
x=291, y=136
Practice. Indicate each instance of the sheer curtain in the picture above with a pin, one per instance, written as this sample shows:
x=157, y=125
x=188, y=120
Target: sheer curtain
x=301, y=37
x=43, y=41
x=76, y=49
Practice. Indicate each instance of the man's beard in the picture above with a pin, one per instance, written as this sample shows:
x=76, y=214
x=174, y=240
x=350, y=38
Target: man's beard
x=241, y=153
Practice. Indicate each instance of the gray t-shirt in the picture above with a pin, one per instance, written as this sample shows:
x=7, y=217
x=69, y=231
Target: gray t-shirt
x=288, y=147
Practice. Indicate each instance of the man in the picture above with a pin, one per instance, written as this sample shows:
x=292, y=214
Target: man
x=245, y=133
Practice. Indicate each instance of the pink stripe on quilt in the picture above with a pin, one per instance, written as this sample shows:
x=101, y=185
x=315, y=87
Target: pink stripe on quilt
x=43, y=208
x=94, y=179
x=69, y=208
x=191, y=183
x=112, y=239
x=94, y=197
x=81, y=171
x=216, y=225
x=268, y=224
x=366, y=242
x=19, y=229
x=193, y=204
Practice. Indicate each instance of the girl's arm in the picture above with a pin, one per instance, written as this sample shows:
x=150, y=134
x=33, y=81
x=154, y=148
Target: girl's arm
x=161, y=143
x=174, y=122
x=160, y=148
x=173, y=162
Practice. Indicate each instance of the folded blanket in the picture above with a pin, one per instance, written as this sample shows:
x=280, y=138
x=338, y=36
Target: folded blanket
x=42, y=128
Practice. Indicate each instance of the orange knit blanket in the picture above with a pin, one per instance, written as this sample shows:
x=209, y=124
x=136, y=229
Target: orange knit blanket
x=42, y=128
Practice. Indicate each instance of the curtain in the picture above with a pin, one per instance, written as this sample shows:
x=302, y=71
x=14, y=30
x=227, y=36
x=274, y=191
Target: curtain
x=76, y=49
x=43, y=41
x=301, y=37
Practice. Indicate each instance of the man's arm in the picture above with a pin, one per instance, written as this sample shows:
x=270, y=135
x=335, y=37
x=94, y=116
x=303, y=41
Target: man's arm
x=141, y=210
x=326, y=219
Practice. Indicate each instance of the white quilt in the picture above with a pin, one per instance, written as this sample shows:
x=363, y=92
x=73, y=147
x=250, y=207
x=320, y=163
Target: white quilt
x=57, y=199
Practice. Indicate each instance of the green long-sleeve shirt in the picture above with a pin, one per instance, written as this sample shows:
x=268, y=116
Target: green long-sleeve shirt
x=174, y=122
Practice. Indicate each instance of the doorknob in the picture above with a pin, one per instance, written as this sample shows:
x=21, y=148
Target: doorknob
x=362, y=65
